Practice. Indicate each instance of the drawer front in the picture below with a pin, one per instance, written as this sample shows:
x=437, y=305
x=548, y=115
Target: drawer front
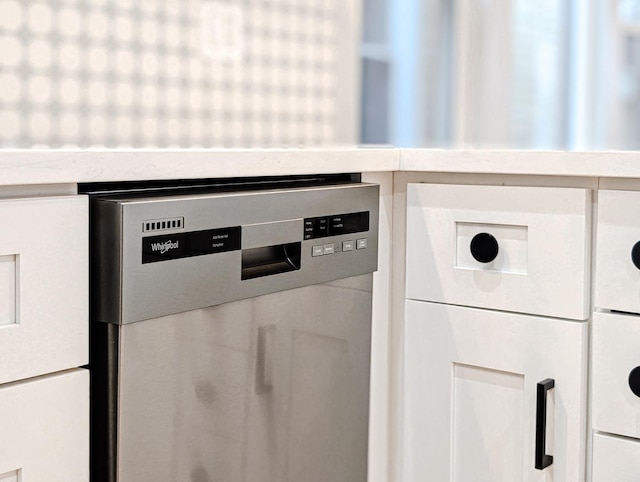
x=616, y=373
x=618, y=231
x=521, y=249
x=44, y=429
x=615, y=459
x=43, y=286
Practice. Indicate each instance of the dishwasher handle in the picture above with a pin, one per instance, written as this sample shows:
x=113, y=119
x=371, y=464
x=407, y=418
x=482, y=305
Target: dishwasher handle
x=271, y=248
x=270, y=260
x=272, y=233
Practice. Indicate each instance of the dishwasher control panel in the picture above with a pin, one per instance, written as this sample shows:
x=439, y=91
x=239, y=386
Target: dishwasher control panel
x=336, y=224
x=340, y=247
x=163, y=254
x=320, y=227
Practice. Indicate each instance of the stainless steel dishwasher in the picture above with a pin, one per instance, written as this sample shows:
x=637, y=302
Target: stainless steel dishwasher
x=230, y=334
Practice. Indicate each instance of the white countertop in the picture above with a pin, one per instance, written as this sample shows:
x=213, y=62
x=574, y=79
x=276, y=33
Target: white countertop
x=20, y=167
x=73, y=166
x=625, y=164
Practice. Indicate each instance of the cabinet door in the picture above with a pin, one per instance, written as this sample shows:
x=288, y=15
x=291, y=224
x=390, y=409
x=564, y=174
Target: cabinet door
x=44, y=429
x=470, y=404
x=617, y=278
x=615, y=373
x=615, y=459
x=44, y=286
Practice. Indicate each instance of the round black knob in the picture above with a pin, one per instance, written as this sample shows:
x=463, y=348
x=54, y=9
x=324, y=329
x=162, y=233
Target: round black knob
x=635, y=254
x=484, y=247
x=634, y=381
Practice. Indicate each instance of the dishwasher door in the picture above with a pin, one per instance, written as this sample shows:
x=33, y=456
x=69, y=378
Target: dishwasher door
x=231, y=335
x=268, y=389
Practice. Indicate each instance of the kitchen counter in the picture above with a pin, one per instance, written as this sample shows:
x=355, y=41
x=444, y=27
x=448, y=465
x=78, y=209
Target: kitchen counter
x=622, y=164
x=22, y=167
x=74, y=166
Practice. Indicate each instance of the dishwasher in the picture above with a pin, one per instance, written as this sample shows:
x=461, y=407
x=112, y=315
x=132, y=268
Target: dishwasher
x=231, y=331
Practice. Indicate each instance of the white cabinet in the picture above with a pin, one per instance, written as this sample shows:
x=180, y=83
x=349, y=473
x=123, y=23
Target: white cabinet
x=616, y=374
x=44, y=429
x=44, y=421
x=615, y=459
x=496, y=396
x=615, y=352
x=43, y=286
x=617, y=280
x=523, y=249
x=470, y=399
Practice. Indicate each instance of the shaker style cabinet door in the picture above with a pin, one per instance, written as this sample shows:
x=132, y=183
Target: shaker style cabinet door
x=617, y=273
x=492, y=396
x=615, y=459
x=44, y=429
x=44, y=282
x=615, y=374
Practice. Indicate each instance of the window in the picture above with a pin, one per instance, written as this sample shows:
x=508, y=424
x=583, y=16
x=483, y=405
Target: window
x=549, y=74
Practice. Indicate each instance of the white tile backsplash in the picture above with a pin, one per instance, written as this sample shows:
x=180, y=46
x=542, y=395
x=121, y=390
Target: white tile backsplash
x=157, y=73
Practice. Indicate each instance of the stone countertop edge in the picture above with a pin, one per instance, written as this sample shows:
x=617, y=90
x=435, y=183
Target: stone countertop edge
x=33, y=166
x=23, y=167
x=615, y=164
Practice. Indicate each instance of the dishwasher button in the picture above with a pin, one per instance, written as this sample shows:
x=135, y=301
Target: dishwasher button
x=361, y=243
x=347, y=246
x=317, y=251
x=329, y=249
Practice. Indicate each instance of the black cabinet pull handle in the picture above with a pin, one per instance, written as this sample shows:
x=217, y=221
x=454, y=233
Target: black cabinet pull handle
x=542, y=459
x=484, y=247
x=635, y=255
x=634, y=381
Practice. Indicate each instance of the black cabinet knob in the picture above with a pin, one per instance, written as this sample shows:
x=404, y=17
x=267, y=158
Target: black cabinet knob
x=634, y=381
x=635, y=254
x=484, y=247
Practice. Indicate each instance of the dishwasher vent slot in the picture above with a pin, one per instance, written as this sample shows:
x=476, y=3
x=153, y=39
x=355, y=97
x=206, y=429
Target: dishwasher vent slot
x=162, y=224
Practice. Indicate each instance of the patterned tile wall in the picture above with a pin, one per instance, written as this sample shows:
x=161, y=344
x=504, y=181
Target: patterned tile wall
x=169, y=73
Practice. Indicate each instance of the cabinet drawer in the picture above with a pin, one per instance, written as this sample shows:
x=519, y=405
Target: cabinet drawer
x=615, y=352
x=43, y=286
x=615, y=459
x=44, y=429
x=618, y=231
x=523, y=249
x=470, y=397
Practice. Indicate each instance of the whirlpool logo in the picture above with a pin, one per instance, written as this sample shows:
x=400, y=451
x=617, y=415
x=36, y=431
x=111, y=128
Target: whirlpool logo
x=162, y=248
